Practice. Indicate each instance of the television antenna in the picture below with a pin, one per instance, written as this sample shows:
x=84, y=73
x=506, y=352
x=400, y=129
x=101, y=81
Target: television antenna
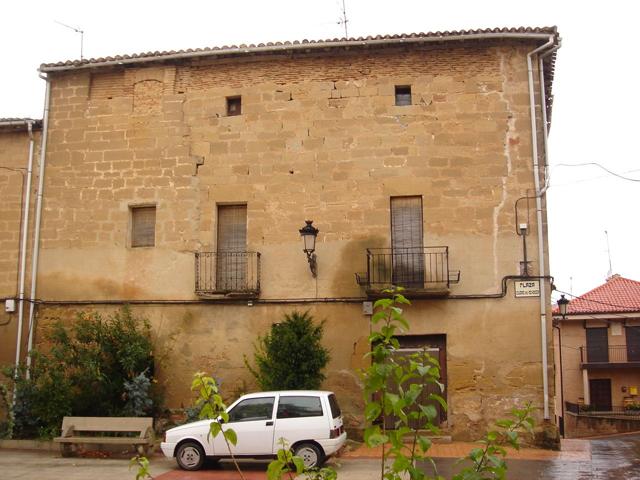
x=610, y=272
x=343, y=19
x=77, y=30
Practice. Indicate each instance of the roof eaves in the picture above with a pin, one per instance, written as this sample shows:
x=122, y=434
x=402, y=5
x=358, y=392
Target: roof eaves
x=19, y=123
x=305, y=45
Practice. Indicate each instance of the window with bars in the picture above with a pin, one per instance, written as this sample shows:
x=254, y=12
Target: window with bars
x=143, y=226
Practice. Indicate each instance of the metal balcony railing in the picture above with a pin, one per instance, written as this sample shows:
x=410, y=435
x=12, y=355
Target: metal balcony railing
x=414, y=268
x=631, y=411
x=227, y=273
x=610, y=354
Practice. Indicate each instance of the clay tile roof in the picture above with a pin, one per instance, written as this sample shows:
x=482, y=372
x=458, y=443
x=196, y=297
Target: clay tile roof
x=19, y=123
x=617, y=295
x=298, y=44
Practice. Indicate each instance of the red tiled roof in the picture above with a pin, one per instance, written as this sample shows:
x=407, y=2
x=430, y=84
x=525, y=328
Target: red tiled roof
x=617, y=295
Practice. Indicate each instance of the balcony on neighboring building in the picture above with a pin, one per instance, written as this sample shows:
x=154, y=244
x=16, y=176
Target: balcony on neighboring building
x=616, y=356
x=422, y=271
x=227, y=274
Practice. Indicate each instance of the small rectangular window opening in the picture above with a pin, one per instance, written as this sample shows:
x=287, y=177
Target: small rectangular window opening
x=143, y=226
x=234, y=106
x=403, y=95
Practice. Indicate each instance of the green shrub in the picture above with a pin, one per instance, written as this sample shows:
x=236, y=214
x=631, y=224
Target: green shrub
x=95, y=367
x=290, y=356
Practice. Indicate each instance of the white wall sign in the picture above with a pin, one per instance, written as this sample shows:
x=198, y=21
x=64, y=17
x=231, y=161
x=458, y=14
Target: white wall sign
x=527, y=288
x=367, y=308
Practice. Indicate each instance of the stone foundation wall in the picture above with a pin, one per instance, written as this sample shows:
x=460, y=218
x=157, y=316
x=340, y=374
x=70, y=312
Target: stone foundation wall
x=580, y=426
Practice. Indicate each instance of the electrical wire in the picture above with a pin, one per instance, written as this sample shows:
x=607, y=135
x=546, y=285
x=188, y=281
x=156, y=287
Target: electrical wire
x=599, y=166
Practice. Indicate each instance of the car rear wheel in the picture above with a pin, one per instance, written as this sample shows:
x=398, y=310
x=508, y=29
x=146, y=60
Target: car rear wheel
x=190, y=456
x=311, y=454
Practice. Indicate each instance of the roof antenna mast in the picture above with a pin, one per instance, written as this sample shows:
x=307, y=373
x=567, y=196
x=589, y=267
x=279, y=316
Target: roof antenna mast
x=77, y=30
x=343, y=20
x=610, y=273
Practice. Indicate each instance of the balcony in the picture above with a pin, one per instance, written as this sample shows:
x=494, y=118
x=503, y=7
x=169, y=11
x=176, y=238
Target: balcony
x=227, y=274
x=422, y=271
x=628, y=412
x=618, y=356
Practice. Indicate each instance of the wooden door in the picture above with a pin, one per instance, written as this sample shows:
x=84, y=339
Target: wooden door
x=600, y=393
x=435, y=345
x=633, y=344
x=231, y=264
x=407, y=245
x=597, y=345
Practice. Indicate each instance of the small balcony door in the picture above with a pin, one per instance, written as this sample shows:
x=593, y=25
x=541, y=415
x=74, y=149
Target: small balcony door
x=407, y=254
x=633, y=344
x=231, y=266
x=597, y=345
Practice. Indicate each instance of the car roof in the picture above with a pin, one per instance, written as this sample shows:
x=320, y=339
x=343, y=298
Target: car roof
x=288, y=393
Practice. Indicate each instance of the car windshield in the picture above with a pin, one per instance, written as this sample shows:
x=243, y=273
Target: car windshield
x=335, y=408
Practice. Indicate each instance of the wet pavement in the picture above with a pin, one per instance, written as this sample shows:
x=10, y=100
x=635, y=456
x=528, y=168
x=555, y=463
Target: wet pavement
x=608, y=458
x=611, y=458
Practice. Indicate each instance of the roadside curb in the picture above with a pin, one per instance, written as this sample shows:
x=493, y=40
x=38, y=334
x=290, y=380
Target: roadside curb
x=40, y=445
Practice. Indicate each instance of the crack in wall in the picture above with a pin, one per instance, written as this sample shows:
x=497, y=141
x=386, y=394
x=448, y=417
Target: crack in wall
x=507, y=154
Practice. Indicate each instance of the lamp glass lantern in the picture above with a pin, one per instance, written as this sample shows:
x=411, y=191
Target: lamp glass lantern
x=563, y=303
x=309, y=234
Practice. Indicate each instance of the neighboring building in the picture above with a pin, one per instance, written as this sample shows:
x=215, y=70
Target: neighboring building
x=600, y=362
x=19, y=148
x=177, y=182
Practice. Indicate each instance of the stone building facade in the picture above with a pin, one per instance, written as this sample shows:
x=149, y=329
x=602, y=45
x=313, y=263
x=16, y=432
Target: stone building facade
x=19, y=148
x=177, y=183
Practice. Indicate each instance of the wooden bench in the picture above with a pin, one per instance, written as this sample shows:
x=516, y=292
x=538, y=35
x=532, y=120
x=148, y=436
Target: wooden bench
x=75, y=429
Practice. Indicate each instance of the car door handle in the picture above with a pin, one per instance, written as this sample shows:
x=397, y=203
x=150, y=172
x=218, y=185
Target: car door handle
x=269, y=423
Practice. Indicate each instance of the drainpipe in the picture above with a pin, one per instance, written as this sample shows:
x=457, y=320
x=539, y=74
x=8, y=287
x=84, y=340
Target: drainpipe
x=36, y=236
x=23, y=246
x=539, y=193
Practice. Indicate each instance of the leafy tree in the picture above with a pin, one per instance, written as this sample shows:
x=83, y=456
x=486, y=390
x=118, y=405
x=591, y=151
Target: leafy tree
x=291, y=355
x=97, y=366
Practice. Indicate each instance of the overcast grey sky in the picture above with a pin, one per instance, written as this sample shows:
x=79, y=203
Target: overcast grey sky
x=596, y=93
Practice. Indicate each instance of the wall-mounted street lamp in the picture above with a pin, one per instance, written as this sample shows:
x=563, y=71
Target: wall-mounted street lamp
x=309, y=234
x=563, y=303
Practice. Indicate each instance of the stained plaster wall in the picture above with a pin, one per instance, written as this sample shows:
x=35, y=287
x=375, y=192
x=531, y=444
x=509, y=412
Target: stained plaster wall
x=319, y=137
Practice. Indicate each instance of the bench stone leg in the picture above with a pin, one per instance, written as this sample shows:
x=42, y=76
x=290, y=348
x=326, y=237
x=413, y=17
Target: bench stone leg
x=66, y=449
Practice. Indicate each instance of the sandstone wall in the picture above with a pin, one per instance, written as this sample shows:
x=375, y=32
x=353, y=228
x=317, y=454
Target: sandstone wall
x=14, y=155
x=319, y=138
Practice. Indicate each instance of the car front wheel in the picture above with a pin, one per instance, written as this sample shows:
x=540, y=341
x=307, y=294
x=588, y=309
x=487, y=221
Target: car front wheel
x=311, y=454
x=190, y=456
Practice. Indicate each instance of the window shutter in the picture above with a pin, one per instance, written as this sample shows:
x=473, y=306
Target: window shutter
x=232, y=228
x=231, y=267
x=406, y=242
x=406, y=222
x=143, y=226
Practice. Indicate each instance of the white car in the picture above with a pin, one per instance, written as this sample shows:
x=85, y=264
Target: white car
x=309, y=421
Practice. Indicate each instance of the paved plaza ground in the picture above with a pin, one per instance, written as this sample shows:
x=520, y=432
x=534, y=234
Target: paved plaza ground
x=607, y=458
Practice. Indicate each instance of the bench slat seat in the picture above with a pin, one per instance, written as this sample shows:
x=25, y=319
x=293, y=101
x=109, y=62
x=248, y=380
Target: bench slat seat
x=71, y=426
x=110, y=440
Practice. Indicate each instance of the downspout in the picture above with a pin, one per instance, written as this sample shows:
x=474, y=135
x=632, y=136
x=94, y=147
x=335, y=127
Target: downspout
x=23, y=246
x=36, y=227
x=539, y=193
